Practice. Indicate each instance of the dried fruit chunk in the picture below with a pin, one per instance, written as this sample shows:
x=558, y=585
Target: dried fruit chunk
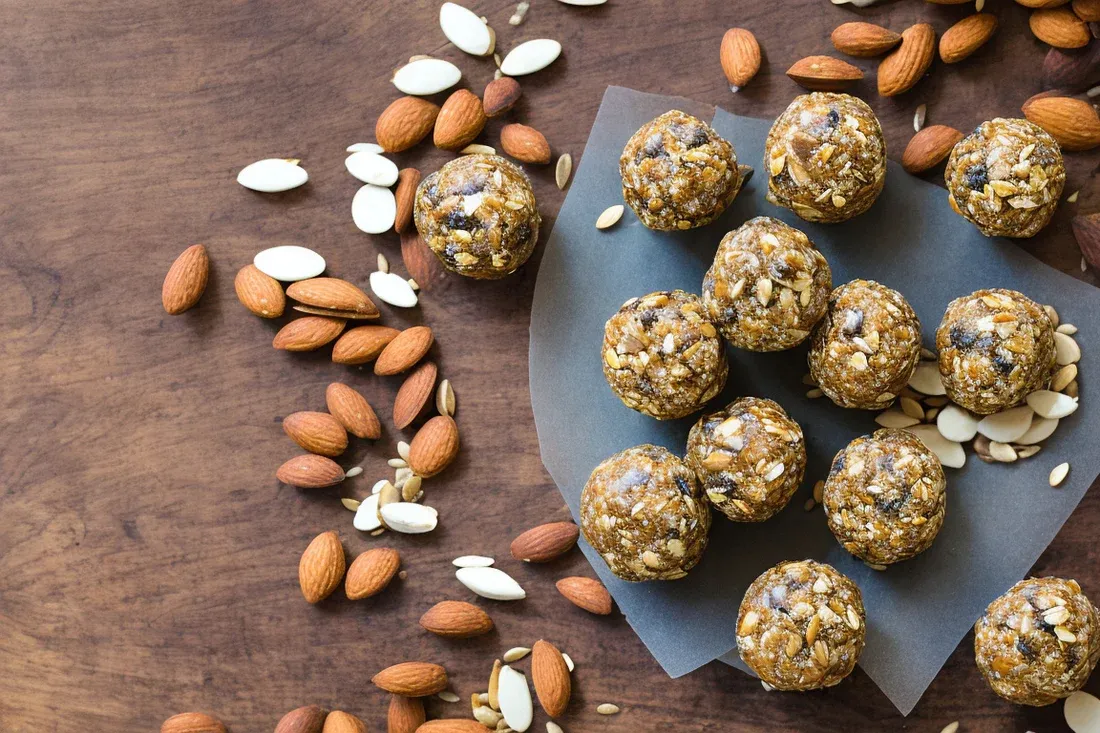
x=740, y=57
x=321, y=567
x=186, y=280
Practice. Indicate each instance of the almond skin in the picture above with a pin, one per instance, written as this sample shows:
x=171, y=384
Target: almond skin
x=405, y=193
x=1072, y=122
x=340, y=722
x=500, y=96
x=192, y=723
x=362, y=344
x=310, y=471
x=740, y=57
x=460, y=121
x=1086, y=230
x=321, y=567
x=261, y=294
x=316, y=432
x=456, y=620
x=371, y=572
x=1059, y=27
x=824, y=73
x=525, y=144
x=545, y=542
x=404, y=351
x=929, y=147
x=412, y=679
x=405, y=714
x=308, y=719
x=586, y=593
x=864, y=40
x=415, y=394
x=353, y=411
x=452, y=725
x=906, y=64
x=966, y=37
x=551, y=677
x=434, y=446
x=333, y=293
x=308, y=333
x=186, y=280
x=405, y=123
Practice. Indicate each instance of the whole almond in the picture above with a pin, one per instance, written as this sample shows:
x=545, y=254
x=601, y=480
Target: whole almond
x=412, y=679
x=906, y=64
x=500, y=96
x=308, y=333
x=1072, y=70
x=310, y=471
x=405, y=714
x=1087, y=10
x=353, y=411
x=929, y=147
x=824, y=73
x=1072, y=122
x=452, y=725
x=460, y=121
x=586, y=593
x=186, y=280
x=1033, y=3
x=421, y=262
x=434, y=446
x=966, y=37
x=192, y=723
x=316, y=432
x=1059, y=27
x=551, y=677
x=371, y=572
x=415, y=394
x=333, y=293
x=404, y=351
x=740, y=57
x=321, y=567
x=864, y=40
x=456, y=620
x=362, y=344
x=404, y=123
x=525, y=144
x=1086, y=230
x=340, y=722
x=308, y=719
x=545, y=542
x=405, y=193
x=259, y=293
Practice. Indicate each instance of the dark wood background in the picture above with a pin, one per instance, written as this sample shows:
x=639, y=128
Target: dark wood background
x=147, y=555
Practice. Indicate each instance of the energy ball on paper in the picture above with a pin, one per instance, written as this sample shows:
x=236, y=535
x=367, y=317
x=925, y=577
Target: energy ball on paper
x=749, y=458
x=678, y=173
x=885, y=497
x=826, y=157
x=867, y=346
x=1038, y=642
x=1006, y=177
x=995, y=348
x=768, y=286
x=801, y=626
x=661, y=355
x=478, y=214
x=644, y=513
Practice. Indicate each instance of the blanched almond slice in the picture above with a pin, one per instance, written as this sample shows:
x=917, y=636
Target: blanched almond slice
x=529, y=57
x=1057, y=476
x=956, y=424
x=1002, y=452
x=950, y=453
x=1066, y=349
x=1041, y=429
x=272, y=175
x=1007, y=426
x=393, y=289
x=1083, y=713
x=374, y=209
x=583, y=2
x=366, y=516
x=372, y=168
x=466, y=29
x=409, y=518
x=289, y=263
x=366, y=148
x=472, y=561
x=491, y=583
x=426, y=76
x=1051, y=404
x=515, y=699
x=926, y=379
x=610, y=216
x=895, y=419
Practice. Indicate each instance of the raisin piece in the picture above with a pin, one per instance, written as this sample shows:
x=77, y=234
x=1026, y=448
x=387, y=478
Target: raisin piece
x=853, y=323
x=698, y=136
x=834, y=118
x=683, y=485
x=457, y=219
x=1023, y=648
x=1002, y=365
x=654, y=147
x=976, y=177
x=648, y=318
x=961, y=338
x=523, y=233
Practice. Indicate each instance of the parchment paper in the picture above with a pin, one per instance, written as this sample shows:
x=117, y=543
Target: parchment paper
x=999, y=517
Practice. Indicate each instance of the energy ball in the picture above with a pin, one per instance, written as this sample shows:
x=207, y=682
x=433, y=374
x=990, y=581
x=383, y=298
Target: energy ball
x=867, y=346
x=678, y=173
x=662, y=357
x=478, y=214
x=885, y=497
x=801, y=626
x=995, y=348
x=749, y=458
x=1006, y=177
x=1038, y=642
x=768, y=286
x=643, y=512
x=826, y=157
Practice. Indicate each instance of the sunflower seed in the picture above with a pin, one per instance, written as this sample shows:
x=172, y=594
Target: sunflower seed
x=289, y=263
x=366, y=148
x=466, y=29
x=426, y=76
x=373, y=209
x=353, y=472
x=272, y=175
x=351, y=504
x=610, y=216
x=445, y=399
x=472, y=561
x=1052, y=404
x=529, y=57
x=515, y=699
x=1058, y=474
x=393, y=289
x=607, y=708
x=409, y=518
x=562, y=170
x=372, y=168
x=515, y=654
x=490, y=583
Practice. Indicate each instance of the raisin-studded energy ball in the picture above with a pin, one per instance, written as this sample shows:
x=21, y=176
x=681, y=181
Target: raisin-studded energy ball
x=1006, y=177
x=478, y=214
x=768, y=286
x=662, y=357
x=749, y=458
x=644, y=513
x=995, y=348
x=825, y=157
x=678, y=173
x=1039, y=642
x=866, y=347
x=885, y=497
x=801, y=626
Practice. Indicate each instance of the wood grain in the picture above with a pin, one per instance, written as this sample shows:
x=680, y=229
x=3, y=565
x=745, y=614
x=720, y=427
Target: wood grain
x=147, y=555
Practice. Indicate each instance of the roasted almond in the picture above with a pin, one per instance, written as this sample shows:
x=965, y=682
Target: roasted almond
x=929, y=147
x=525, y=144
x=192, y=723
x=966, y=37
x=405, y=194
x=740, y=57
x=186, y=280
x=308, y=333
x=824, y=73
x=362, y=344
x=1087, y=10
x=353, y=411
x=500, y=96
x=332, y=293
x=307, y=719
x=1059, y=27
x=1086, y=230
x=551, y=677
x=321, y=567
x=452, y=725
x=340, y=722
x=1072, y=70
x=1072, y=122
x=404, y=351
x=456, y=620
x=586, y=593
x=371, y=572
x=460, y=121
x=405, y=714
x=420, y=261
x=545, y=542
x=412, y=679
x=907, y=63
x=259, y=293
x=317, y=432
x=404, y=123
x=434, y=446
x=415, y=394
x=310, y=471
x=864, y=40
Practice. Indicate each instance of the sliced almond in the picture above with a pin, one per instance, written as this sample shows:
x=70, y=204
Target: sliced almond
x=272, y=175
x=1058, y=474
x=1007, y=426
x=610, y=216
x=1066, y=349
x=1002, y=452
x=895, y=419
x=529, y=57
x=1041, y=429
x=950, y=453
x=426, y=76
x=1082, y=712
x=956, y=424
x=372, y=168
x=516, y=653
x=490, y=583
x=374, y=209
x=1063, y=377
x=1052, y=404
x=466, y=29
x=926, y=379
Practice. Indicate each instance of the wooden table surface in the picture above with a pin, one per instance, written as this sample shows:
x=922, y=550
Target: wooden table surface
x=148, y=557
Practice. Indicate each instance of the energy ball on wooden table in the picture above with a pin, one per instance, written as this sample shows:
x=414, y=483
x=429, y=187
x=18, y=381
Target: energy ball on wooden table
x=1006, y=177
x=825, y=157
x=1038, y=642
x=644, y=513
x=768, y=286
x=867, y=346
x=801, y=626
x=995, y=348
x=885, y=497
x=678, y=173
x=478, y=214
x=661, y=355
x=749, y=458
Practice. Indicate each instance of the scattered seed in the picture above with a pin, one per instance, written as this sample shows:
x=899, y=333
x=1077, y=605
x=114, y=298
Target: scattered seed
x=377, y=532
x=607, y=708
x=410, y=489
x=568, y=661
x=530, y=56
x=1072, y=198
x=392, y=288
x=918, y=117
x=912, y=408
x=819, y=489
x=447, y=696
x=1063, y=377
x=397, y=463
x=563, y=169
x=1066, y=349
x=1026, y=451
x=610, y=216
x=472, y=561
x=515, y=654
x=813, y=394
x=413, y=284
x=272, y=175
x=979, y=5
x=368, y=147
x=353, y=472
x=809, y=380
x=809, y=505
x=1002, y=452
x=952, y=727
x=1067, y=328
x=926, y=353
x=350, y=504
x=552, y=727
x=474, y=148
x=403, y=449
x=520, y=14
x=875, y=566
x=1058, y=474
x=445, y=398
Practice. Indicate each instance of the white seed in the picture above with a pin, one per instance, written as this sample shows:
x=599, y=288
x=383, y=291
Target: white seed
x=374, y=209
x=814, y=394
x=1052, y=404
x=272, y=175
x=583, y=2
x=1082, y=713
x=413, y=284
x=445, y=398
x=378, y=486
x=529, y=57
x=403, y=449
x=950, y=453
x=610, y=216
x=951, y=727
x=393, y=289
x=895, y=419
x=607, y=708
x=397, y=463
x=1007, y=426
x=426, y=76
x=289, y=263
x=366, y=148
x=478, y=148
x=551, y=726
x=491, y=583
x=568, y=661
x=1058, y=474
x=918, y=117
x=383, y=263
x=372, y=168
x=466, y=29
x=353, y=472
x=515, y=699
x=563, y=169
x=472, y=561
x=1041, y=429
x=926, y=379
x=956, y=424
x=520, y=13
x=366, y=517
x=350, y=504
x=1067, y=328
x=1002, y=452
x=409, y=518
x=515, y=654
x=1066, y=349
x=448, y=696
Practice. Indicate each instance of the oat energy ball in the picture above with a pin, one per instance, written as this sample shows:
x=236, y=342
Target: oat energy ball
x=801, y=626
x=1038, y=642
x=749, y=458
x=643, y=512
x=826, y=157
x=1006, y=177
x=866, y=347
x=678, y=173
x=995, y=348
x=478, y=214
x=662, y=357
x=768, y=286
x=885, y=497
